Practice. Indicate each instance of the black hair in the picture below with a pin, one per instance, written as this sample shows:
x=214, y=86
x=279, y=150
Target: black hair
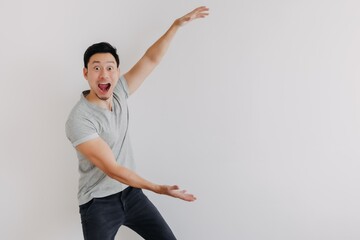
x=101, y=47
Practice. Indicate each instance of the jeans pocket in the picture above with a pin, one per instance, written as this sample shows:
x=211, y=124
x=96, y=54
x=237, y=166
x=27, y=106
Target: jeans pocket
x=84, y=209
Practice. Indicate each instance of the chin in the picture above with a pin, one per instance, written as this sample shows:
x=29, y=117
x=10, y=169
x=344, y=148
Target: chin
x=104, y=98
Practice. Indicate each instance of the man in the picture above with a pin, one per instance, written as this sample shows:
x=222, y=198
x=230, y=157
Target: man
x=110, y=192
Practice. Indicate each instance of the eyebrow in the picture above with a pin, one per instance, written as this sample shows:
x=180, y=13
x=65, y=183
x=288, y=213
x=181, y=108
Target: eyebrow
x=100, y=62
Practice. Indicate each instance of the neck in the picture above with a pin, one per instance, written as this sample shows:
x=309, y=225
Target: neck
x=103, y=103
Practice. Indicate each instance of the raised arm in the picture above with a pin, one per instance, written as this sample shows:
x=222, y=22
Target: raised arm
x=100, y=154
x=152, y=57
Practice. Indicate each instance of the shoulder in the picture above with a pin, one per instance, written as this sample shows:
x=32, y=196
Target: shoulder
x=80, y=122
x=79, y=111
x=122, y=88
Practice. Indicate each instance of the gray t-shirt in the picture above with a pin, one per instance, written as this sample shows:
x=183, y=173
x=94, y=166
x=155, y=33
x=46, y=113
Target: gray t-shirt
x=88, y=121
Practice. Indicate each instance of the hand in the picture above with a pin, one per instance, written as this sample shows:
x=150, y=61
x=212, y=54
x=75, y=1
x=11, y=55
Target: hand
x=199, y=12
x=173, y=191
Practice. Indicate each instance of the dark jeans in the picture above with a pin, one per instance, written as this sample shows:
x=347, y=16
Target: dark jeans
x=101, y=218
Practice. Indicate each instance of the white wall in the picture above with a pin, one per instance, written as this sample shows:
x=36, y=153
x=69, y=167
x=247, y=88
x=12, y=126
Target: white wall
x=254, y=109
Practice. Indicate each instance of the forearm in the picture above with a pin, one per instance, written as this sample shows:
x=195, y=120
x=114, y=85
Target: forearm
x=129, y=177
x=159, y=48
x=98, y=152
x=156, y=51
x=154, y=54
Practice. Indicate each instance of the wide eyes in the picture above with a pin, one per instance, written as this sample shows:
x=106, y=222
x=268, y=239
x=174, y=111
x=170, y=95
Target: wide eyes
x=98, y=68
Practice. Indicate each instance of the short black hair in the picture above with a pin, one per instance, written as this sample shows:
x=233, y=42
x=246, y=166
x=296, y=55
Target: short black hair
x=101, y=47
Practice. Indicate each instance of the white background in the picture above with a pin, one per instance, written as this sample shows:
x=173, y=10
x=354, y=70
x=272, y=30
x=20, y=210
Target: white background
x=254, y=109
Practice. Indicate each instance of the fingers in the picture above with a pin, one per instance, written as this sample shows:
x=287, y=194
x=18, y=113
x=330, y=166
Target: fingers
x=186, y=196
x=201, y=12
x=174, y=191
x=189, y=197
x=201, y=9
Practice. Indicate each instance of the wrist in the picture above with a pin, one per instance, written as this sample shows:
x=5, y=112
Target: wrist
x=156, y=189
x=176, y=24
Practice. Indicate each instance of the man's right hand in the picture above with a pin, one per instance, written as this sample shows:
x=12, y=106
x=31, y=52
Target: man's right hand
x=174, y=191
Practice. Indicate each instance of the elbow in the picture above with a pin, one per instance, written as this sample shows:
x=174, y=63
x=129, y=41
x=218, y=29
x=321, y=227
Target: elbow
x=153, y=58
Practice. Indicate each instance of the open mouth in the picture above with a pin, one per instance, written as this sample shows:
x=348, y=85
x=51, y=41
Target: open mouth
x=104, y=87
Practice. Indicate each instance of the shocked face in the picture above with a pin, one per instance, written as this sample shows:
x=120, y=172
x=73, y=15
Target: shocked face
x=102, y=74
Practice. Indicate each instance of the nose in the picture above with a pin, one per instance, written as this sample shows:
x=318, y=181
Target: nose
x=104, y=74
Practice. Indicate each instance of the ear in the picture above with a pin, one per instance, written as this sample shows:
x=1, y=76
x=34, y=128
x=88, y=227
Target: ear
x=85, y=72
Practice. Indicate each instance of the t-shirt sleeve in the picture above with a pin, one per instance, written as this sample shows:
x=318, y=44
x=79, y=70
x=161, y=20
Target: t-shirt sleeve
x=80, y=130
x=122, y=87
